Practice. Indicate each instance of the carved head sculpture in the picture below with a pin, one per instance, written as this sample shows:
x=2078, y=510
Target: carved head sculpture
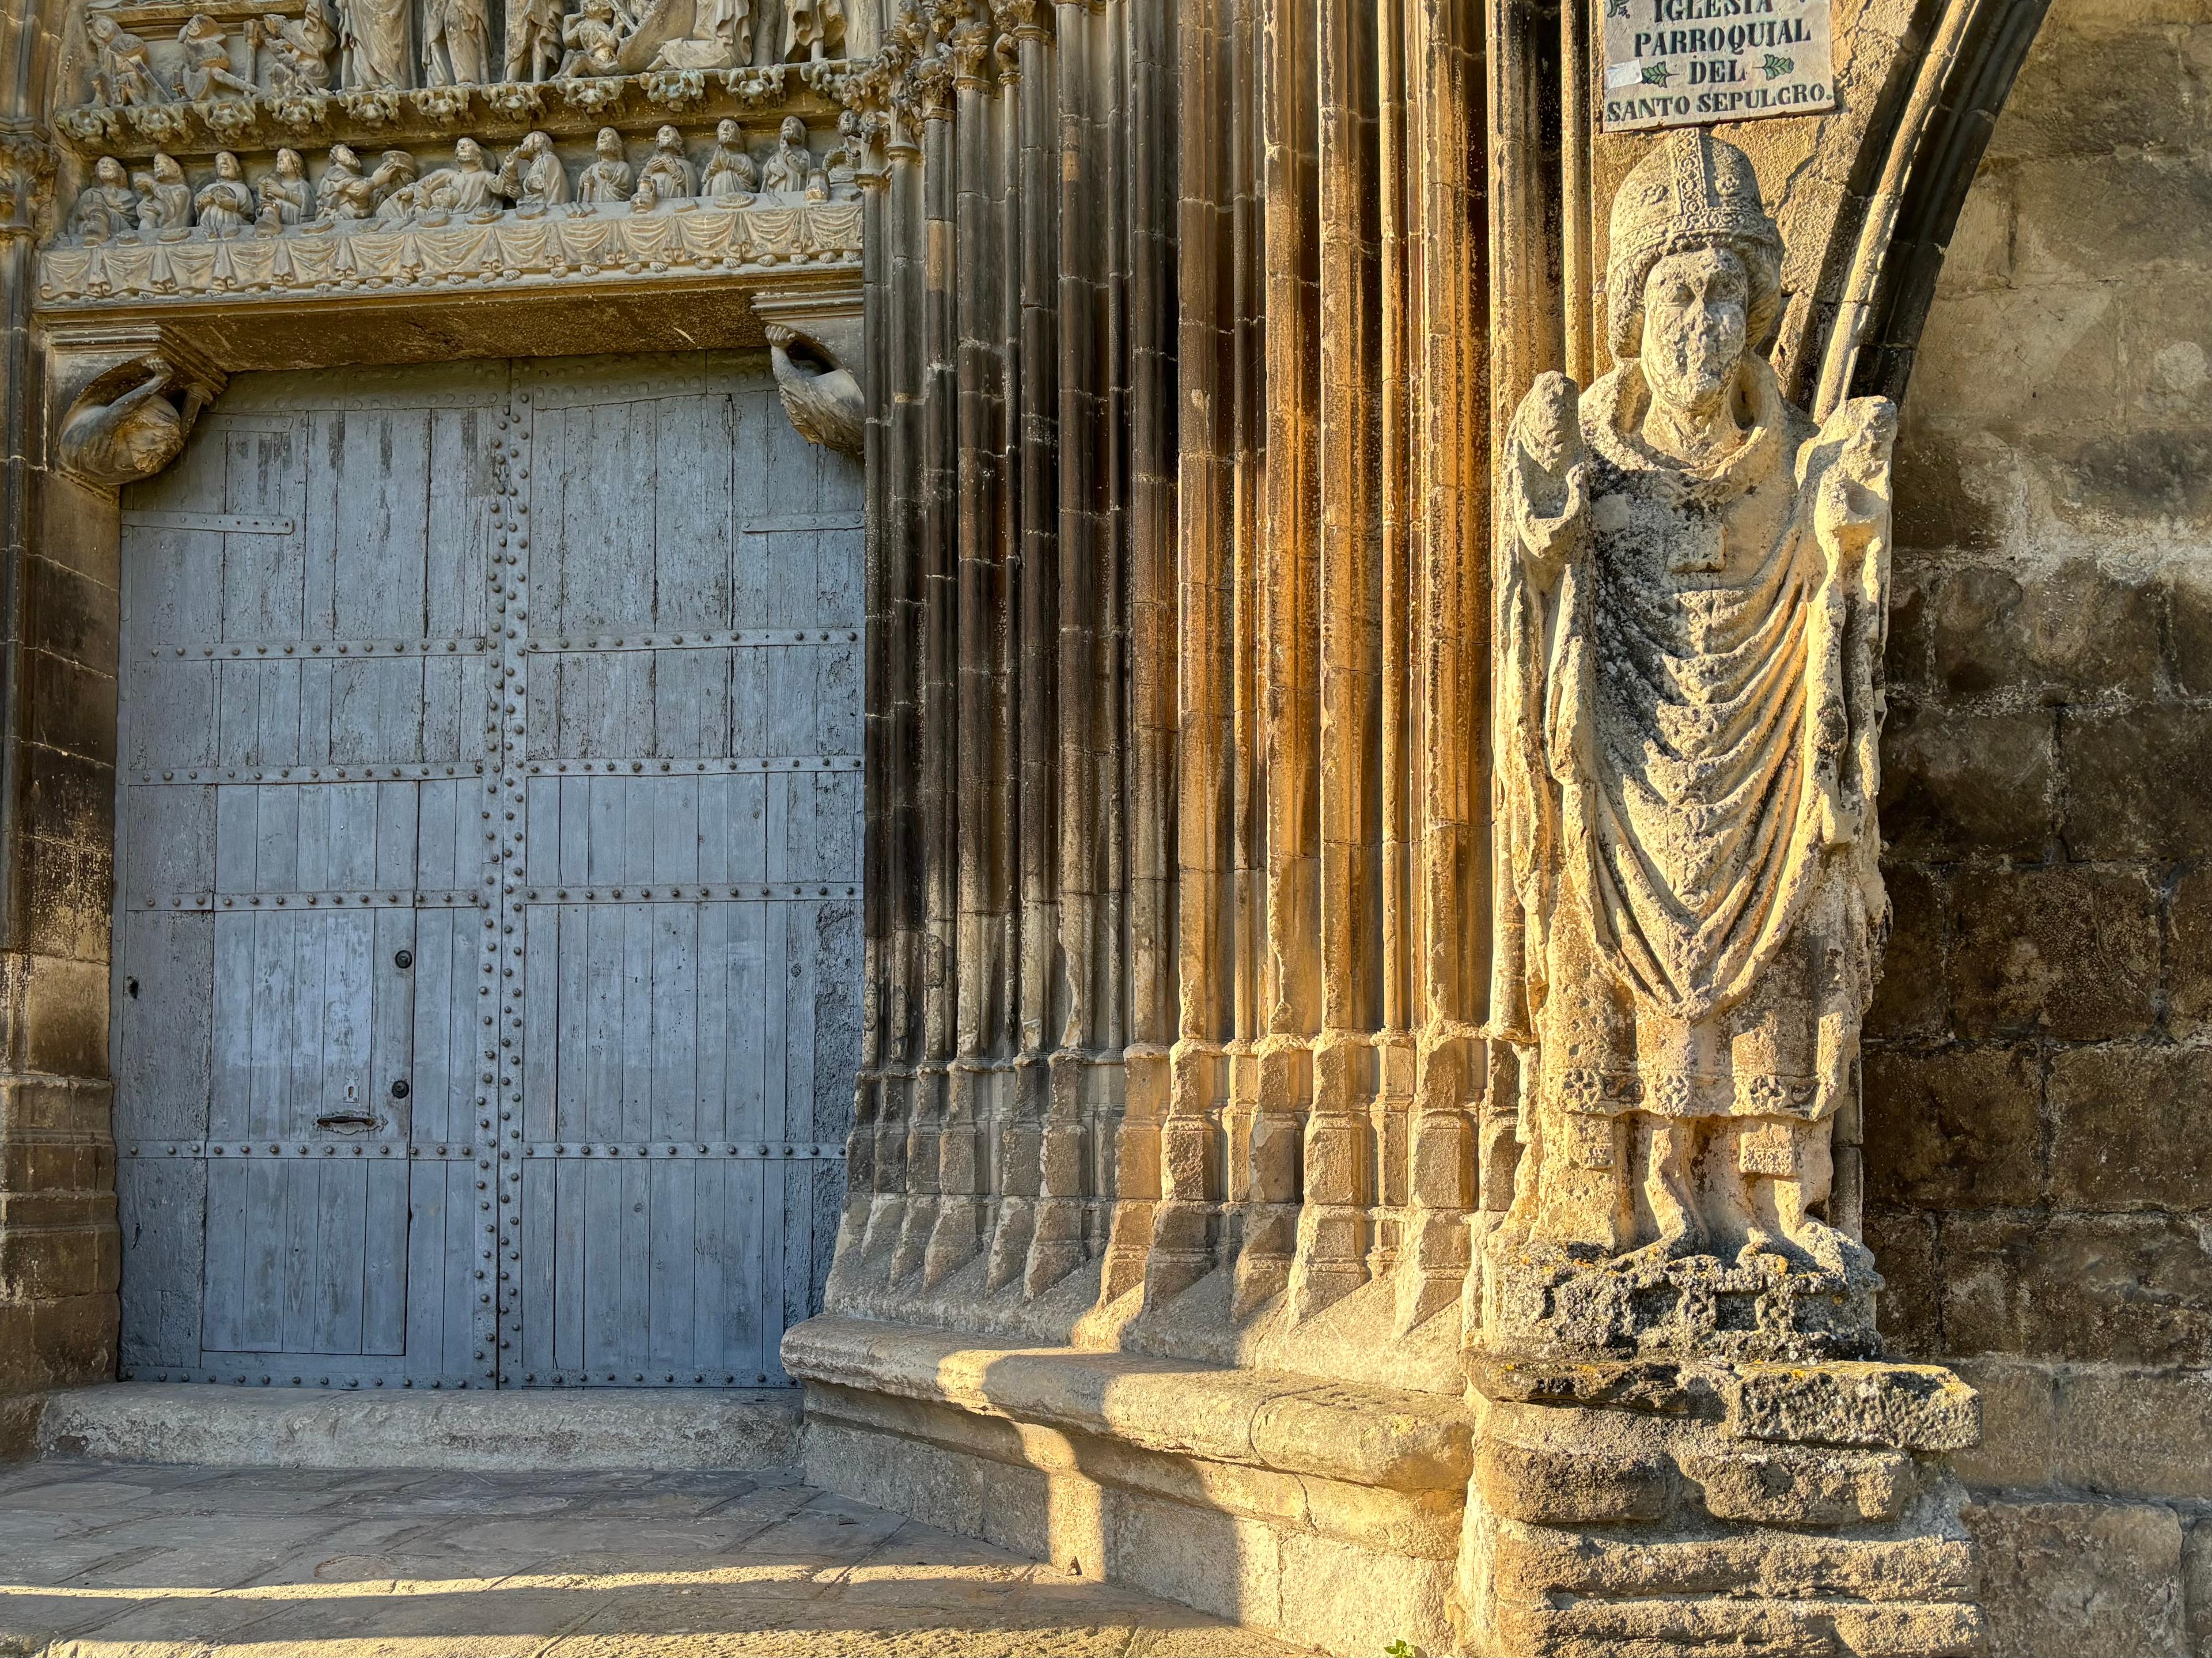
x=794, y=131
x=849, y=127
x=668, y=138
x=1694, y=195
x=109, y=172
x=101, y=28
x=198, y=27
x=226, y=166
x=344, y=159
x=468, y=154
x=726, y=132
x=609, y=144
x=289, y=166
x=166, y=170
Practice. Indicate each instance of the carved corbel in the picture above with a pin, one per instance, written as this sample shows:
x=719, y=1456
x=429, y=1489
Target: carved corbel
x=814, y=339
x=123, y=402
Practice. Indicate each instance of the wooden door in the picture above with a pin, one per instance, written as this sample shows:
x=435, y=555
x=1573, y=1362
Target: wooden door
x=369, y=1076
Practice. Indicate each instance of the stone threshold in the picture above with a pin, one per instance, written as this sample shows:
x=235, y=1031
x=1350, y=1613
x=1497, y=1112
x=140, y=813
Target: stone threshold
x=613, y=1428
x=1327, y=1512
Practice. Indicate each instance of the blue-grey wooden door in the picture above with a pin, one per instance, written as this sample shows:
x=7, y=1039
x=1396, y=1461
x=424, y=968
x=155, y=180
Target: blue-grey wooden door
x=487, y=861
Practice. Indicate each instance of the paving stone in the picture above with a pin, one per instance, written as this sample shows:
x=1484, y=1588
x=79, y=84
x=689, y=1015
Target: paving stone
x=402, y=1565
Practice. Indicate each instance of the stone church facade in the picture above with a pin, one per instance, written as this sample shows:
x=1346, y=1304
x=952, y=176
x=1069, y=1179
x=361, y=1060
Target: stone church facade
x=1340, y=845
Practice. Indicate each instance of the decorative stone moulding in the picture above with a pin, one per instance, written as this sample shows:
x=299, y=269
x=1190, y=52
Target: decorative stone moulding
x=515, y=249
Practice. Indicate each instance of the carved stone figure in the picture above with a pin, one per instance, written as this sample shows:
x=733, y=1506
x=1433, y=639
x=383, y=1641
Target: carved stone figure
x=465, y=187
x=298, y=49
x=731, y=173
x=841, y=166
x=165, y=200
x=593, y=38
x=125, y=76
x=339, y=193
x=532, y=177
x=667, y=171
x=533, y=38
x=107, y=207
x=814, y=29
x=722, y=38
x=788, y=167
x=206, y=72
x=374, y=34
x=225, y=204
x=1692, y=617
x=134, y=435
x=284, y=194
x=609, y=178
x=456, y=42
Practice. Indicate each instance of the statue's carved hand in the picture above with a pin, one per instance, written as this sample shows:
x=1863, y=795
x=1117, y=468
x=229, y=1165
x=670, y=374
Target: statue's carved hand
x=1548, y=471
x=1852, y=506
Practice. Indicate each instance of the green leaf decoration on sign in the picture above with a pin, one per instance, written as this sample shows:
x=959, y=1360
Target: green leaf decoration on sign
x=1779, y=65
x=1657, y=75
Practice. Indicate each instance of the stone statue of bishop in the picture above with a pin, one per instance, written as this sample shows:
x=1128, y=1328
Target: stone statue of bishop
x=1692, y=611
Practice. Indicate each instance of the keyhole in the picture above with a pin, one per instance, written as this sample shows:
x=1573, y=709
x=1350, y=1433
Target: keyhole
x=402, y=959
x=399, y=1089
x=351, y=1095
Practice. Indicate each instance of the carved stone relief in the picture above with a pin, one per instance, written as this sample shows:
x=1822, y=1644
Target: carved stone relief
x=137, y=55
x=399, y=220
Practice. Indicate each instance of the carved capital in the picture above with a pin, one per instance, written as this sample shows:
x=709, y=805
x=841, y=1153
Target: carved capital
x=124, y=400
x=26, y=183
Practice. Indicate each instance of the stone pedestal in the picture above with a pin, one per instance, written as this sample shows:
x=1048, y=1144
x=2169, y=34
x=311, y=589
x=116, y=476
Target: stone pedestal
x=1658, y=1509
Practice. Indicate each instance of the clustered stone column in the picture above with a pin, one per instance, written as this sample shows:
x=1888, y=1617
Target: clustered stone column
x=1179, y=868
x=1327, y=919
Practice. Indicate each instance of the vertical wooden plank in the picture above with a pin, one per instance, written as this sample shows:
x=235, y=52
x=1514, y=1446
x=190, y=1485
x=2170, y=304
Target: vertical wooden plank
x=223, y=1323
x=629, y=1308
x=800, y=981
x=710, y=1308
x=532, y=1331
x=391, y=1054
x=671, y=1278
x=383, y=1257
x=542, y=1036
x=457, y=1356
x=751, y=989
x=300, y=1266
x=675, y=1027
x=426, y=1266
x=634, y=1061
x=604, y=1245
x=570, y=1218
x=261, y=1215
x=711, y=1019
x=341, y=1254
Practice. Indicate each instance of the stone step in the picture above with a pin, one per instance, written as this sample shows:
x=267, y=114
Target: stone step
x=643, y=1429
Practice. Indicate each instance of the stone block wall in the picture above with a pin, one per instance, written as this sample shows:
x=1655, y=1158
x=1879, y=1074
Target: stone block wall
x=2038, y=1069
x=59, y=1250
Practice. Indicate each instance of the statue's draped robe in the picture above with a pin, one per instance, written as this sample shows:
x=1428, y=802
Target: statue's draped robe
x=1686, y=754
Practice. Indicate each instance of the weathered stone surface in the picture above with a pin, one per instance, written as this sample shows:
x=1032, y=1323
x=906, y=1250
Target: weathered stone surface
x=2141, y=1433
x=2129, y=1289
x=1958, y=783
x=2129, y=1130
x=2139, y=785
x=2102, y=1580
x=1801, y=1488
x=609, y=1429
x=2067, y=951
x=2078, y=628
x=1907, y=1406
x=1569, y=1487
x=1954, y=1128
